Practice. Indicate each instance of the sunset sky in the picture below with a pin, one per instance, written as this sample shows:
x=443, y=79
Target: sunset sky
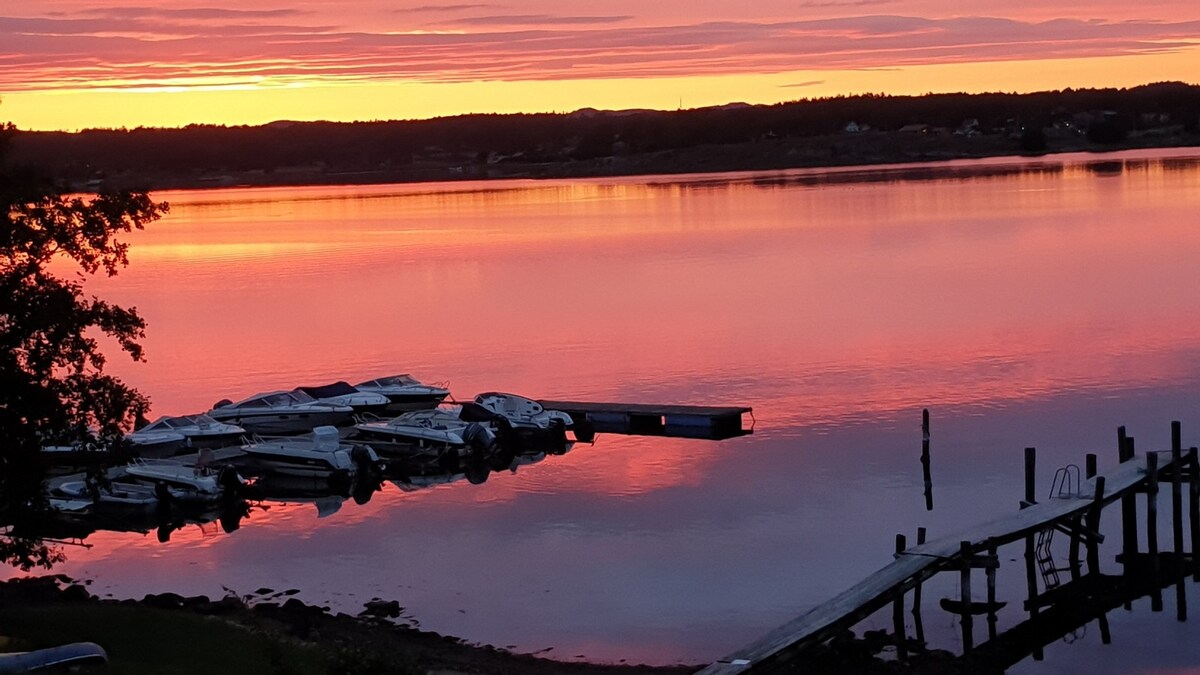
x=71, y=64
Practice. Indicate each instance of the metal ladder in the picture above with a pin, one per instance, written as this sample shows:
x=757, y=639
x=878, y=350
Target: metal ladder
x=1064, y=486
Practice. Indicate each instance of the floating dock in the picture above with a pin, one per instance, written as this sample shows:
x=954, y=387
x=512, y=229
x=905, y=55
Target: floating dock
x=1074, y=508
x=639, y=419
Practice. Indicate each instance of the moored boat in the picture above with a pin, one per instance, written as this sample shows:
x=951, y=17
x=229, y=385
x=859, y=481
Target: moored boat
x=320, y=453
x=342, y=393
x=405, y=392
x=280, y=412
x=196, y=431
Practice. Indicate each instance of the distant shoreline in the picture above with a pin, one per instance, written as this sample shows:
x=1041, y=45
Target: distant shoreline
x=829, y=152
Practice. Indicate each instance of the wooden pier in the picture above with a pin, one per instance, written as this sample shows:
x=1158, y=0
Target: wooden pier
x=1074, y=508
x=679, y=421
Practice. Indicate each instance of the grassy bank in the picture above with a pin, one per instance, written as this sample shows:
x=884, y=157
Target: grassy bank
x=169, y=634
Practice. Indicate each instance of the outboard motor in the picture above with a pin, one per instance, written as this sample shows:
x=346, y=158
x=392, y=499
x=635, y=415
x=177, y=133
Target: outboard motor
x=231, y=483
x=478, y=437
x=365, y=459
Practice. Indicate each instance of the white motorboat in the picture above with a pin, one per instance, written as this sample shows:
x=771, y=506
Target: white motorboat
x=342, y=393
x=185, y=482
x=406, y=392
x=196, y=431
x=522, y=412
x=531, y=423
x=320, y=453
x=431, y=430
x=116, y=494
x=280, y=412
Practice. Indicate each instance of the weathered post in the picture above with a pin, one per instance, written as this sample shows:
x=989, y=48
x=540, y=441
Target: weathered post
x=918, y=624
x=1123, y=454
x=1129, y=528
x=898, y=610
x=926, y=460
x=994, y=561
x=1073, y=551
x=1030, y=465
x=1089, y=463
x=1093, y=525
x=1152, y=528
x=1177, y=518
x=968, y=633
x=1194, y=508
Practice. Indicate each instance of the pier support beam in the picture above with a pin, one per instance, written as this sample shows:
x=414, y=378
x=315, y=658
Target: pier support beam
x=1194, y=508
x=898, y=610
x=1152, y=528
x=1092, y=521
x=991, y=590
x=918, y=623
x=1177, y=518
x=968, y=632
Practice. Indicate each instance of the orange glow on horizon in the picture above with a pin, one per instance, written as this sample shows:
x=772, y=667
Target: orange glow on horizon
x=75, y=109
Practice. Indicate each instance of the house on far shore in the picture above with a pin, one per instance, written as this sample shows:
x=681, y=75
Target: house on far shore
x=915, y=129
x=853, y=127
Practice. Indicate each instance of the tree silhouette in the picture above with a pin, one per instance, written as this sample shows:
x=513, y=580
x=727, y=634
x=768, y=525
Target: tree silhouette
x=53, y=388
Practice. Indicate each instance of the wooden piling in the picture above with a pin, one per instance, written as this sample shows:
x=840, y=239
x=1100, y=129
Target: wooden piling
x=1177, y=518
x=1129, y=526
x=926, y=460
x=1073, y=553
x=1123, y=454
x=898, y=610
x=991, y=591
x=1030, y=466
x=1194, y=508
x=1092, y=521
x=1089, y=463
x=1152, y=528
x=918, y=623
x=968, y=633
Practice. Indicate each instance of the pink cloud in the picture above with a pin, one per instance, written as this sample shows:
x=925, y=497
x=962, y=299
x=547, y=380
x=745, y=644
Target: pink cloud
x=139, y=47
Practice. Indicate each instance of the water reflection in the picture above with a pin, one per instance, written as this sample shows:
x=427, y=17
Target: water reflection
x=1035, y=307
x=41, y=535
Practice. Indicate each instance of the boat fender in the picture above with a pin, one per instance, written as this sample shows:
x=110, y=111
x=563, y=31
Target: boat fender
x=558, y=435
x=222, y=403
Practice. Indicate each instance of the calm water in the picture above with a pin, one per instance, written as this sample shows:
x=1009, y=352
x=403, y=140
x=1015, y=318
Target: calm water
x=1025, y=303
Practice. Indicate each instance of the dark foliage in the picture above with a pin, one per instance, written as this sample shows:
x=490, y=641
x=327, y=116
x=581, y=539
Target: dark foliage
x=346, y=148
x=53, y=389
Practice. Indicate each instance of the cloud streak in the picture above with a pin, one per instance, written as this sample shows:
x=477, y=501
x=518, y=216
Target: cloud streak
x=128, y=47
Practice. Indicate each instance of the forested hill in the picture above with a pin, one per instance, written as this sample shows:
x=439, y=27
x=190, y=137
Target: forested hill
x=839, y=130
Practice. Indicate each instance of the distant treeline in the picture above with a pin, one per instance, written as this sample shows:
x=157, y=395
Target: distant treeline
x=206, y=150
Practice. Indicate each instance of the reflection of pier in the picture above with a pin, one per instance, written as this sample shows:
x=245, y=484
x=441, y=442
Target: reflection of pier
x=639, y=419
x=1073, y=509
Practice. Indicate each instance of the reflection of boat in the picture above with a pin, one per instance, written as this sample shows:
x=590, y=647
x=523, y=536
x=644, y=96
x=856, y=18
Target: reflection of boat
x=192, y=431
x=280, y=412
x=406, y=392
x=430, y=431
x=320, y=453
x=341, y=393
